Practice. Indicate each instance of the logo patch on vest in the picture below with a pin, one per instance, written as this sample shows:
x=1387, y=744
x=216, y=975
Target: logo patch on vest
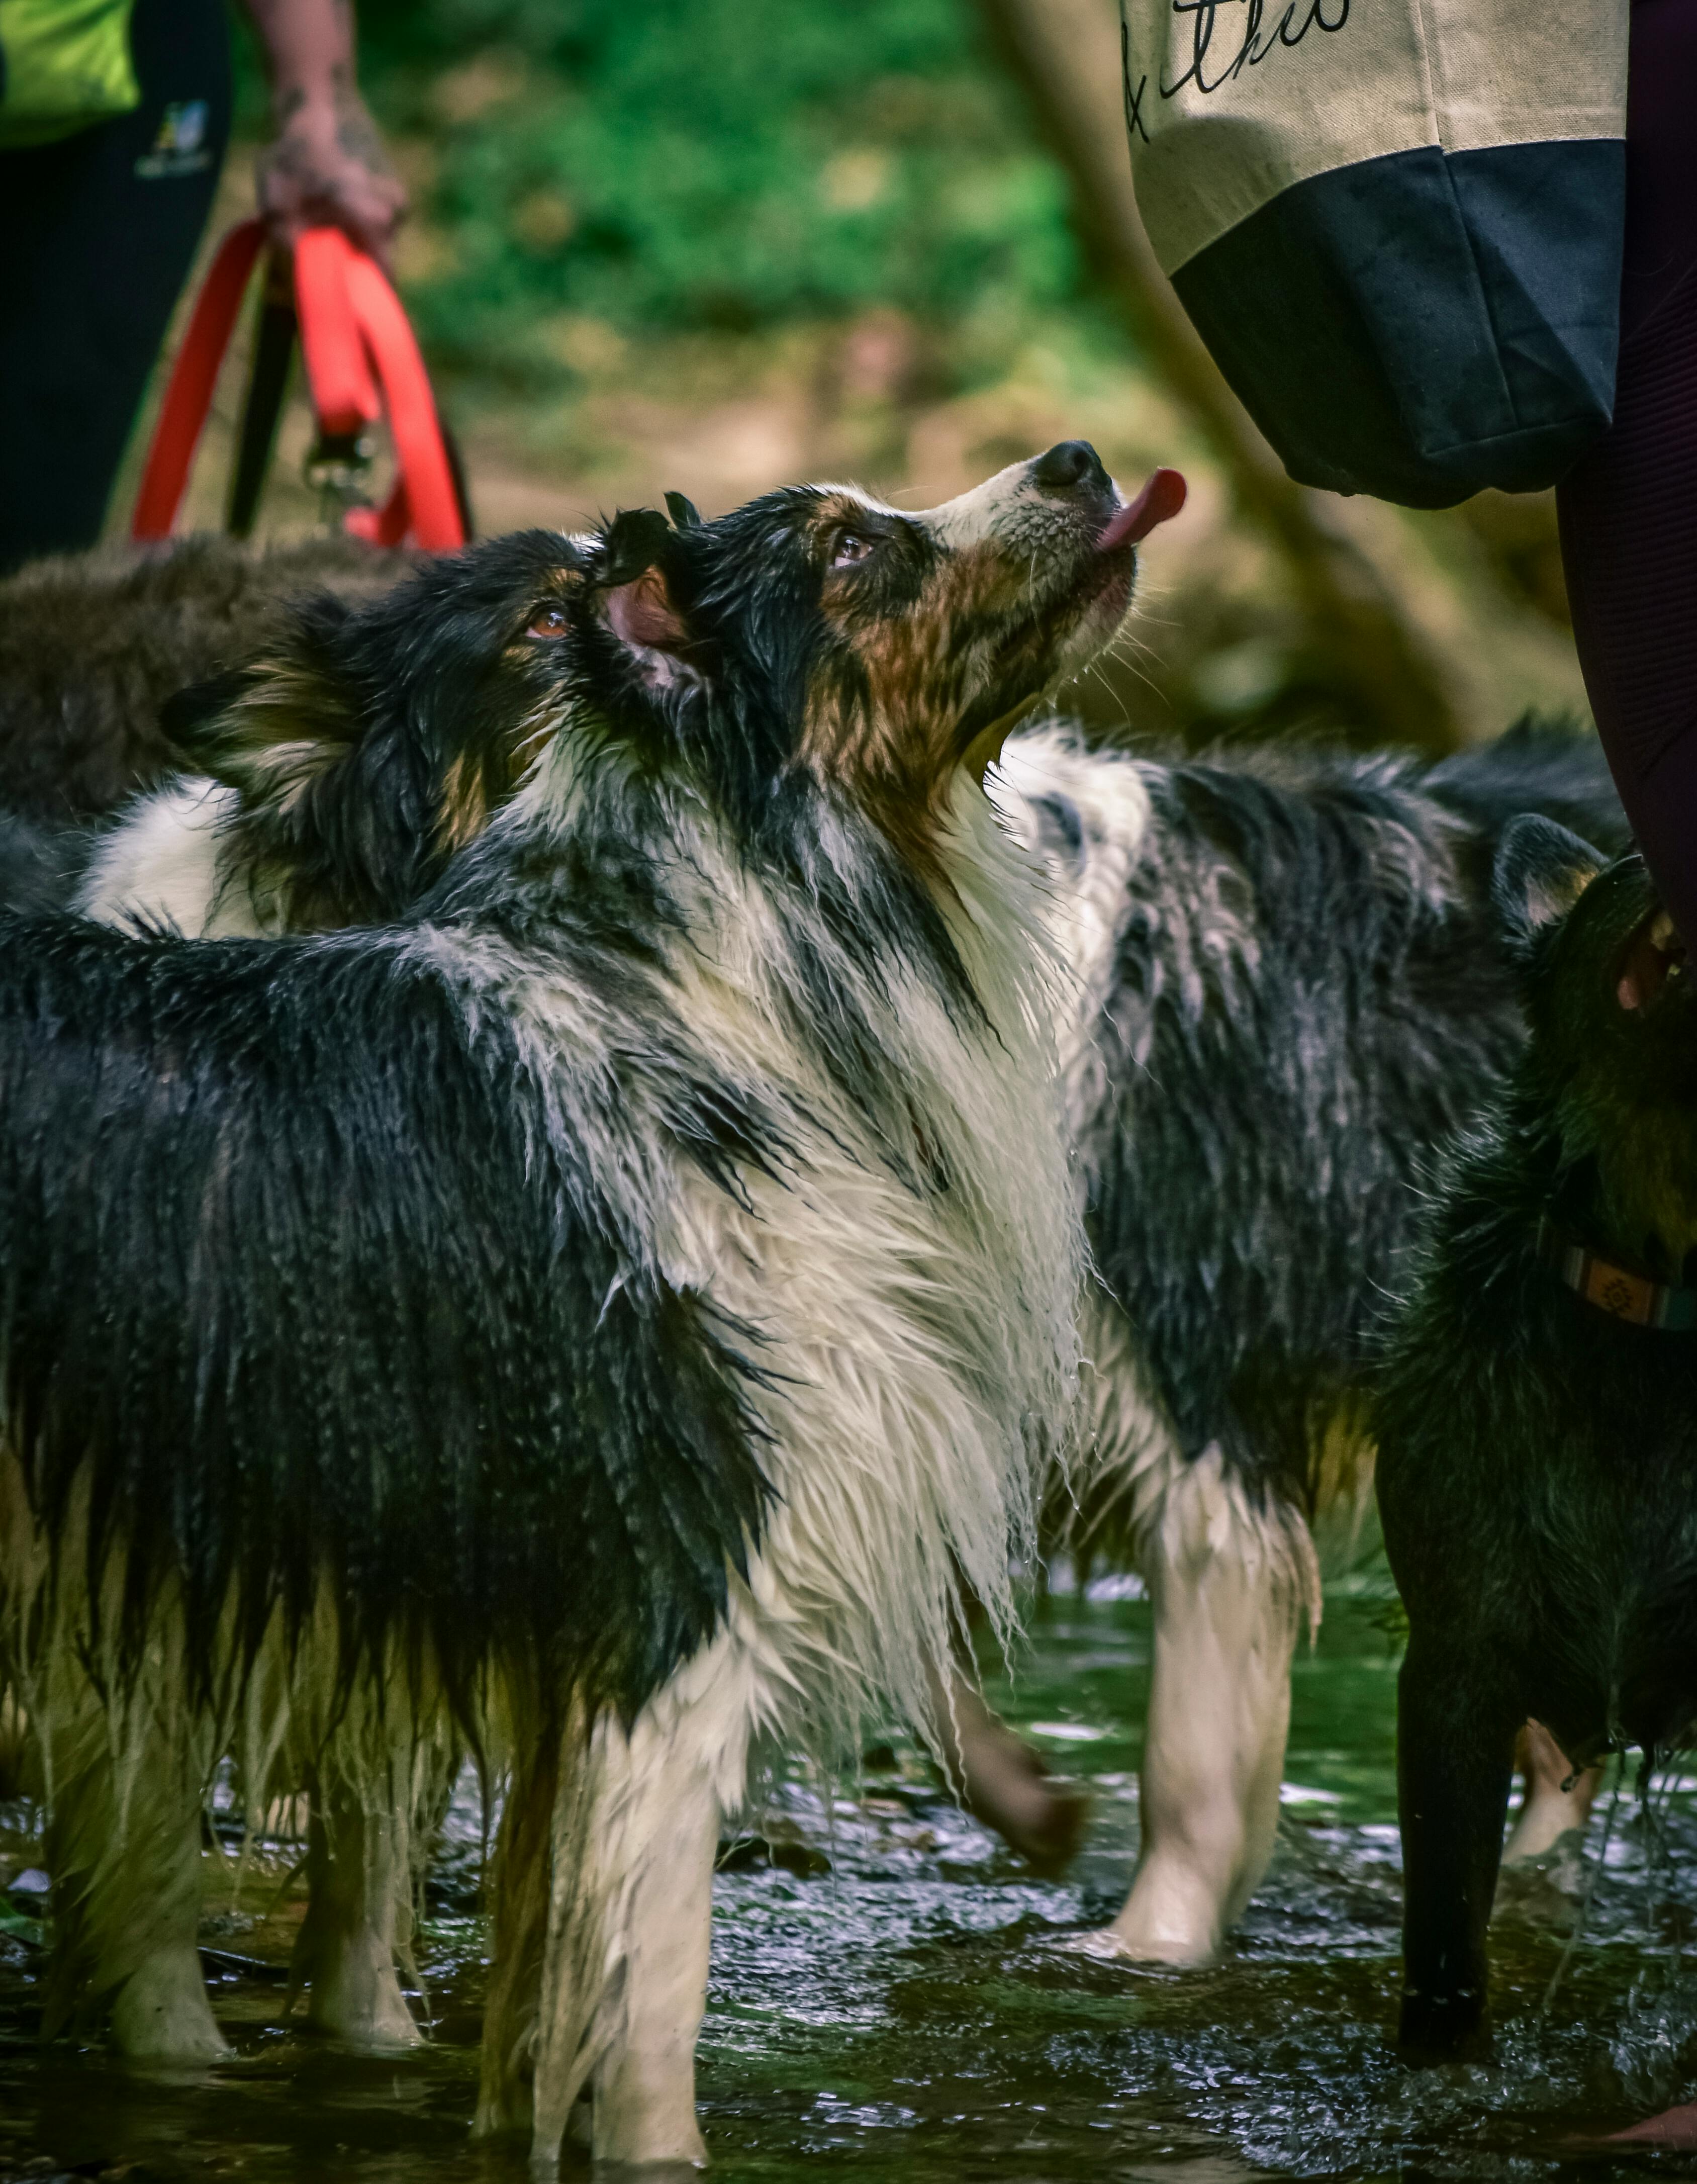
x=181, y=146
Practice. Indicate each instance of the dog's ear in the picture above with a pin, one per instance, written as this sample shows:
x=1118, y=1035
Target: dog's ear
x=1541, y=871
x=267, y=730
x=639, y=602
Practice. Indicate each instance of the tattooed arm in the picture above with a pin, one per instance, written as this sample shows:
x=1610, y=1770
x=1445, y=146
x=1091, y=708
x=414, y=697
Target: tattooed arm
x=327, y=166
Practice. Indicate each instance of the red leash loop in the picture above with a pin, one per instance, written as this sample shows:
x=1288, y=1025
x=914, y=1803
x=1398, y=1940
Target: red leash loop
x=361, y=361
x=189, y=395
x=344, y=394
x=426, y=485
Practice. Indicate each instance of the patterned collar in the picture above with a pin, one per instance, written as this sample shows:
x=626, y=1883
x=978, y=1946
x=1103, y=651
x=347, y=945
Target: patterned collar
x=1615, y=1289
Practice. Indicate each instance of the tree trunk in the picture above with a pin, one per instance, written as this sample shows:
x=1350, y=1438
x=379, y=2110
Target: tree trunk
x=1064, y=57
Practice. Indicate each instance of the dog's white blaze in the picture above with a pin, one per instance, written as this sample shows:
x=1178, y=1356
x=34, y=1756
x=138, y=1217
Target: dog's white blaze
x=164, y=862
x=987, y=510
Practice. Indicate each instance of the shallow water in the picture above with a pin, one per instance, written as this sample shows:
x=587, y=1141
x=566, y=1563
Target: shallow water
x=891, y=1997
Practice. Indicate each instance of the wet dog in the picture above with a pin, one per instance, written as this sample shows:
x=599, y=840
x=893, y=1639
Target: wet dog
x=1537, y=1425
x=1288, y=1000
x=613, y=1304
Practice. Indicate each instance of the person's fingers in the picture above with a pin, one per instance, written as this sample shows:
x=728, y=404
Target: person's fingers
x=366, y=207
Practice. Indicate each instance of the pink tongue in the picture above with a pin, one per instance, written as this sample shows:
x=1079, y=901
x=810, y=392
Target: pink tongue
x=1161, y=498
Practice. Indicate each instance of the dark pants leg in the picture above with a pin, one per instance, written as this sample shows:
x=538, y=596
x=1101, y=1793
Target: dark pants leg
x=96, y=241
x=1628, y=511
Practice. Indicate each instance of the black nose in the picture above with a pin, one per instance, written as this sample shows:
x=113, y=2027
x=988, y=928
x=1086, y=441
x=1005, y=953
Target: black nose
x=1071, y=466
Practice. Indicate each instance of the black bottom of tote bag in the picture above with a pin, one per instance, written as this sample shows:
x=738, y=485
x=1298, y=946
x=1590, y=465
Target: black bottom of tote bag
x=1428, y=324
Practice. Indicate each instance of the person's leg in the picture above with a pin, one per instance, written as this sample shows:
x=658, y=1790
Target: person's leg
x=1628, y=511
x=99, y=232
x=1629, y=522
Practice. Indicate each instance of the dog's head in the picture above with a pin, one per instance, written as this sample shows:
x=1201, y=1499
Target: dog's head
x=877, y=650
x=1613, y=1016
x=1606, y=974
x=816, y=637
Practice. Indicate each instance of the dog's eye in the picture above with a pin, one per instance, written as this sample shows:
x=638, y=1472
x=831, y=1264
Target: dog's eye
x=547, y=621
x=850, y=548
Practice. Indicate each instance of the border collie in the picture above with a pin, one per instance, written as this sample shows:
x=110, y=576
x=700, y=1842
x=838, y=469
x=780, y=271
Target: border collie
x=613, y=1303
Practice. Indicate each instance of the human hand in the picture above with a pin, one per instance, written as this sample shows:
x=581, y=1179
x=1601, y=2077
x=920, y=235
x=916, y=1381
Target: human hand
x=327, y=167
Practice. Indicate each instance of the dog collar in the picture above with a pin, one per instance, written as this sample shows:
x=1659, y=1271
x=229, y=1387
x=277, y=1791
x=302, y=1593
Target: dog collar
x=1615, y=1289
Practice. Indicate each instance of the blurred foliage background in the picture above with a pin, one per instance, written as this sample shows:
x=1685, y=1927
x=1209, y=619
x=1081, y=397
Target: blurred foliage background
x=717, y=245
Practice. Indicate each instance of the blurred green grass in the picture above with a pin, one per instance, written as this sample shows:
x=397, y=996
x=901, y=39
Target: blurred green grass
x=728, y=165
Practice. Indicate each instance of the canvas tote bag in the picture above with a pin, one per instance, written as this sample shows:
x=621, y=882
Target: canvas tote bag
x=1396, y=223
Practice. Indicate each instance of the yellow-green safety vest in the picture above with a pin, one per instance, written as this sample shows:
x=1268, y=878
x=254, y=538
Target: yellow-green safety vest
x=64, y=65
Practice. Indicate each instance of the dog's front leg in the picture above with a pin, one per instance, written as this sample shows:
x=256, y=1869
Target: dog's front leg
x=645, y=2081
x=1454, y=1758
x=625, y=1982
x=1227, y=1583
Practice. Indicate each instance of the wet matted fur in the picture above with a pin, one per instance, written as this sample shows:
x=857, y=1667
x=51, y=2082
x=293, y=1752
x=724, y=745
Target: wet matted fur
x=93, y=645
x=694, y=1085
x=1288, y=998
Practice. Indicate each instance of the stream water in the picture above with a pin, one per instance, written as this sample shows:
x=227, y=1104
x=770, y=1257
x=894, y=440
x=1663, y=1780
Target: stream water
x=892, y=1996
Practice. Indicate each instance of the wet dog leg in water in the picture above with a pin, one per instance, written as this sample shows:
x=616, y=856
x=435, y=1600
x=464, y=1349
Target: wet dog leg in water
x=123, y=1847
x=1548, y=1811
x=1454, y=1757
x=358, y=1878
x=644, y=2086
x=1229, y=1584
x=624, y=1980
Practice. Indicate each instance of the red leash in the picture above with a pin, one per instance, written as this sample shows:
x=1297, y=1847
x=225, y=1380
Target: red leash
x=361, y=361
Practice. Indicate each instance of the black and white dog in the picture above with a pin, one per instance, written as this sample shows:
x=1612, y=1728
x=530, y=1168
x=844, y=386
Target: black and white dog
x=613, y=1302
x=1288, y=997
